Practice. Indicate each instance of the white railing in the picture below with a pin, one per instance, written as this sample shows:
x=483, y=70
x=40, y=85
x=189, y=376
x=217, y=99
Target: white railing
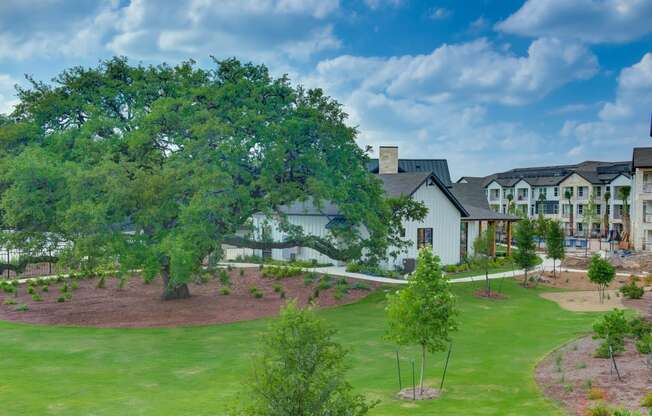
x=647, y=218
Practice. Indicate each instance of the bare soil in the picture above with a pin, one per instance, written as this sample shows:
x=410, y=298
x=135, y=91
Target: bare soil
x=140, y=305
x=409, y=393
x=576, y=281
x=640, y=262
x=586, y=300
x=567, y=374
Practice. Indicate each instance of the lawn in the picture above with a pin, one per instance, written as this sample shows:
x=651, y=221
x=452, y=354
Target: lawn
x=196, y=371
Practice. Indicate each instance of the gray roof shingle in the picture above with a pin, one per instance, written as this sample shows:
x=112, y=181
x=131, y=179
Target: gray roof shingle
x=642, y=157
x=437, y=166
x=474, y=200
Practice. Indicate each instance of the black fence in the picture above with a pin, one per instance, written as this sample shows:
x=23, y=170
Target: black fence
x=10, y=265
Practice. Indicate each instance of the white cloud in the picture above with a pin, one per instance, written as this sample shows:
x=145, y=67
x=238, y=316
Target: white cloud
x=7, y=93
x=376, y=4
x=477, y=71
x=593, y=21
x=439, y=104
x=623, y=123
x=270, y=30
x=440, y=13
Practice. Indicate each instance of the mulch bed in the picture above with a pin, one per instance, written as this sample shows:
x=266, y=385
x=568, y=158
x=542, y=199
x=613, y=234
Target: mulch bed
x=482, y=293
x=410, y=393
x=566, y=379
x=576, y=281
x=140, y=305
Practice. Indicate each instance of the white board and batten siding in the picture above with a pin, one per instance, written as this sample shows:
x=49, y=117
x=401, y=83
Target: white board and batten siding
x=444, y=219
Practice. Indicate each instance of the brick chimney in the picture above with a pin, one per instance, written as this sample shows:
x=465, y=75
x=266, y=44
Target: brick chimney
x=388, y=160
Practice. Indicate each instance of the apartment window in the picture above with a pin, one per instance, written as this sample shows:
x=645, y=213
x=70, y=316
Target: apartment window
x=597, y=191
x=580, y=209
x=568, y=190
x=582, y=191
x=555, y=191
x=544, y=192
x=598, y=209
x=580, y=227
x=607, y=209
x=424, y=238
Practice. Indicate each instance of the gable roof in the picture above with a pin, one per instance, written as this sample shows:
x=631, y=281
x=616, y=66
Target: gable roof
x=472, y=197
x=398, y=184
x=437, y=166
x=642, y=157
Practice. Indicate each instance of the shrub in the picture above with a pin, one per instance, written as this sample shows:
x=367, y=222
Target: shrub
x=639, y=327
x=282, y=294
x=68, y=296
x=9, y=301
x=258, y=295
x=632, y=291
x=45, y=288
x=598, y=410
x=353, y=267
x=309, y=278
x=225, y=291
x=37, y=298
x=61, y=299
x=281, y=272
x=644, y=344
x=647, y=400
x=361, y=286
x=75, y=286
x=22, y=308
x=101, y=283
x=224, y=277
x=340, y=292
x=625, y=412
x=241, y=272
x=596, y=393
x=612, y=328
x=30, y=290
x=277, y=288
x=64, y=288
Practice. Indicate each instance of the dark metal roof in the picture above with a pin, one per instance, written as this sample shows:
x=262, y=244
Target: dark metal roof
x=474, y=200
x=437, y=166
x=593, y=171
x=399, y=184
x=642, y=157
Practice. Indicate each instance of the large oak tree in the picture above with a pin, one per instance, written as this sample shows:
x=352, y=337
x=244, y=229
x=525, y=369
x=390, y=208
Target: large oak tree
x=155, y=167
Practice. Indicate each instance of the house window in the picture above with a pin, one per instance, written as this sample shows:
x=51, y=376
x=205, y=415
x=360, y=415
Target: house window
x=556, y=191
x=424, y=238
x=598, y=209
x=580, y=209
x=581, y=191
x=597, y=191
x=580, y=227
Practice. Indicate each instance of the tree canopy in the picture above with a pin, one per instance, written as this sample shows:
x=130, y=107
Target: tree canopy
x=299, y=371
x=525, y=256
x=155, y=167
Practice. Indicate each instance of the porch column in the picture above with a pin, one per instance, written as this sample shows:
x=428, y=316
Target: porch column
x=492, y=227
x=509, y=238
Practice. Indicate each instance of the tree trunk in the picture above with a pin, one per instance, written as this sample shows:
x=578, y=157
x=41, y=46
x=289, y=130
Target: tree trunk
x=525, y=279
x=423, y=367
x=486, y=276
x=173, y=290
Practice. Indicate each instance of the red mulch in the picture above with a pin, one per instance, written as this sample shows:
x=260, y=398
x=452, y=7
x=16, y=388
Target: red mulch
x=567, y=382
x=140, y=305
x=482, y=293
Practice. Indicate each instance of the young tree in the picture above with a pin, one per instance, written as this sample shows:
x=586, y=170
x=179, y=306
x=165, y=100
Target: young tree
x=155, y=168
x=299, y=370
x=568, y=195
x=555, y=244
x=511, y=207
x=589, y=215
x=605, y=214
x=424, y=311
x=483, y=253
x=602, y=273
x=541, y=227
x=526, y=254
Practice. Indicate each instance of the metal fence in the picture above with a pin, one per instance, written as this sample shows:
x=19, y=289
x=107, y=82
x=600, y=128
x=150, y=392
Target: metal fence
x=32, y=269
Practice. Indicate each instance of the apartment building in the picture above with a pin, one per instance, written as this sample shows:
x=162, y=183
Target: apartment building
x=558, y=191
x=642, y=198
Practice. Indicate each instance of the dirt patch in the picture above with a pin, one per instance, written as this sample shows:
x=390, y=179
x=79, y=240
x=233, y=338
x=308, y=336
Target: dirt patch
x=576, y=281
x=640, y=263
x=409, y=393
x=643, y=305
x=482, y=293
x=569, y=373
x=586, y=301
x=140, y=305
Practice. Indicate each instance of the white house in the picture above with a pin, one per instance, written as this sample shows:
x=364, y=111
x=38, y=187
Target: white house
x=424, y=180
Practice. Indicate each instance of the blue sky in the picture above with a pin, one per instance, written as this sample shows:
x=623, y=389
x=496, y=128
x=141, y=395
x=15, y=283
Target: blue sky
x=487, y=84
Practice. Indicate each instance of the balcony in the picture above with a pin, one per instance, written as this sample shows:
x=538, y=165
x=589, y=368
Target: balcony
x=647, y=188
x=494, y=197
x=647, y=218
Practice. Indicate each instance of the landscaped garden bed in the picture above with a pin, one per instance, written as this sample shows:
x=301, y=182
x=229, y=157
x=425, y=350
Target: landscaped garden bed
x=578, y=380
x=228, y=296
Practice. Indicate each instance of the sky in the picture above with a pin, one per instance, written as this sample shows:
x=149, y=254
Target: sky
x=487, y=84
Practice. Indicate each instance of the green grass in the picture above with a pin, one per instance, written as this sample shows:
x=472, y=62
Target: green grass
x=196, y=371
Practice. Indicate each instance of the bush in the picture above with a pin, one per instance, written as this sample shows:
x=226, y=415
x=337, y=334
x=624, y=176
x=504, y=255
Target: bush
x=647, y=400
x=639, y=327
x=281, y=272
x=64, y=288
x=612, y=328
x=598, y=410
x=258, y=295
x=309, y=278
x=61, y=299
x=241, y=272
x=45, y=288
x=224, y=277
x=632, y=291
x=361, y=286
x=30, y=290
x=37, y=298
x=9, y=301
x=372, y=270
x=253, y=290
x=643, y=345
x=596, y=393
x=22, y=308
x=225, y=291
x=278, y=288
x=75, y=286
